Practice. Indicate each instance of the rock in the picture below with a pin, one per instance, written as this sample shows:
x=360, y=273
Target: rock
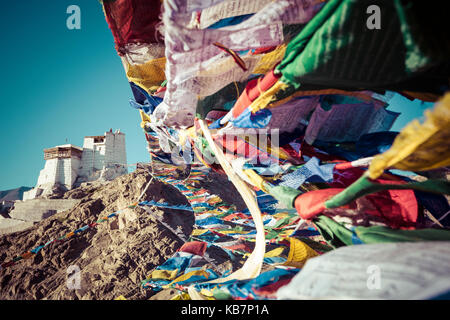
x=52, y=191
x=113, y=258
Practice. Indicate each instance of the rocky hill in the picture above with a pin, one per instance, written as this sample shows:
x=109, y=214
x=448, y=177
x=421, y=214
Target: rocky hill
x=113, y=257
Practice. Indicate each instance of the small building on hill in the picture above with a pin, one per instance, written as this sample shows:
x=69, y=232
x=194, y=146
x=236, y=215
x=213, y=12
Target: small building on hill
x=67, y=166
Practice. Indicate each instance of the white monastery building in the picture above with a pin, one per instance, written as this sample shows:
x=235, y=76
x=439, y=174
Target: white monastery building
x=67, y=166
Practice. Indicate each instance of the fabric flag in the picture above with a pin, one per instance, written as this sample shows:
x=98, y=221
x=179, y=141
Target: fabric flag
x=394, y=208
x=222, y=100
x=384, y=271
x=193, y=276
x=262, y=287
x=134, y=25
x=133, y=21
x=368, y=145
x=285, y=195
x=336, y=124
x=336, y=50
x=311, y=171
x=191, y=50
x=292, y=115
x=363, y=186
x=142, y=100
x=285, y=118
x=172, y=268
x=419, y=147
x=148, y=75
x=252, y=91
x=165, y=205
x=299, y=253
x=337, y=235
x=248, y=144
x=258, y=120
x=141, y=53
x=437, y=205
x=229, y=21
x=227, y=9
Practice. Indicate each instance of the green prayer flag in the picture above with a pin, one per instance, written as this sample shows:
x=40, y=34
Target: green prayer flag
x=285, y=195
x=338, y=235
x=363, y=186
x=338, y=49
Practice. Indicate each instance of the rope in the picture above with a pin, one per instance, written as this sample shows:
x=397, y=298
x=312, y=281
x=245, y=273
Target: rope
x=151, y=180
x=233, y=54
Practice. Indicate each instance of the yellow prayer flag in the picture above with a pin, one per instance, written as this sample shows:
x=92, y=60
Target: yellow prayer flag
x=197, y=232
x=147, y=75
x=281, y=215
x=274, y=253
x=206, y=292
x=145, y=118
x=181, y=296
x=270, y=59
x=255, y=179
x=419, y=147
x=298, y=254
x=267, y=97
x=164, y=274
x=186, y=276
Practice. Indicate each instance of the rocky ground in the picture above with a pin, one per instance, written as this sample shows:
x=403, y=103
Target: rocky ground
x=114, y=257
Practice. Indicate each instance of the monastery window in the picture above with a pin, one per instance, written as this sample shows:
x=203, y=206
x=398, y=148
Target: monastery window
x=99, y=139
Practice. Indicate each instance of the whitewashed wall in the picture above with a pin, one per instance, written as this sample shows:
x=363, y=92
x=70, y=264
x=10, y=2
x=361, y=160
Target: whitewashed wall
x=98, y=156
x=94, y=163
x=64, y=171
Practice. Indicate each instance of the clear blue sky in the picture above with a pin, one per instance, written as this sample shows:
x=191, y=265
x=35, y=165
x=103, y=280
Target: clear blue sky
x=60, y=84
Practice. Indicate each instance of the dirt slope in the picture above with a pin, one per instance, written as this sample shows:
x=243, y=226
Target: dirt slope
x=113, y=258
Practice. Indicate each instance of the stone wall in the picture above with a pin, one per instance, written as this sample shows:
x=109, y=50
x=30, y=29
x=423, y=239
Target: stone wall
x=26, y=213
x=101, y=156
x=56, y=171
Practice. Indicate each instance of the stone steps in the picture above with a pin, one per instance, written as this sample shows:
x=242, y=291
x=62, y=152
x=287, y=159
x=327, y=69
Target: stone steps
x=8, y=226
x=39, y=209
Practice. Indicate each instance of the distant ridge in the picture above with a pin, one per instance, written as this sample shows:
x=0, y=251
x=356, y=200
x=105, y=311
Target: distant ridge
x=13, y=194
